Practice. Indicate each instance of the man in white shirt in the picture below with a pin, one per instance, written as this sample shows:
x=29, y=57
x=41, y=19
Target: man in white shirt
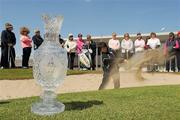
x=139, y=43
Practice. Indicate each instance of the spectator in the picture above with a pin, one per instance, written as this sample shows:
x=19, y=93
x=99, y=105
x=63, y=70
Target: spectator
x=80, y=43
x=70, y=46
x=139, y=43
x=26, y=44
x=37, y=39
x=8, y=41
x=114, y=43
x=169, y=52
x=61, y=41
x=177, y=51
x=153, y=42
x=110, y=68
x=146, y=46
x=127, y=46
x=91, y=46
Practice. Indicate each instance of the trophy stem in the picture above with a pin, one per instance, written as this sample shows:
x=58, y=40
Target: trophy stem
x=48, y=97
x=48, y=104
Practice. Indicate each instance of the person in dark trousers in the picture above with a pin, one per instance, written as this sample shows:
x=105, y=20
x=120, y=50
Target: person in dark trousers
x=8, y=41
x=110, y=66
x=91, y=46
x=177, y=50
x=26, y=44
x=70, y=46
x=37, y=39
x=61, y=41
x=169, y=52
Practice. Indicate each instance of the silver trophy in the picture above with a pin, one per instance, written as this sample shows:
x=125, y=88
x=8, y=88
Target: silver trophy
x=50, y=67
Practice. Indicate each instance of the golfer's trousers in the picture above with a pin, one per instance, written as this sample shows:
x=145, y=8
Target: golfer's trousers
x=114, y=74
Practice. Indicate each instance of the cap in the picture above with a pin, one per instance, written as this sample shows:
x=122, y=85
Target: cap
x=8, y=25
x=70, y=35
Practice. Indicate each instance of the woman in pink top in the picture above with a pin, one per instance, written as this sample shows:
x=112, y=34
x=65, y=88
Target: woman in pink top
x=80, y=43
x=26, y=44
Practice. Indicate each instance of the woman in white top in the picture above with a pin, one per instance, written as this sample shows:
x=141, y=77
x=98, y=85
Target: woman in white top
x=153, y=42
x=70, y=46
x=139, y=43
x=126, y=46
x=114, y=43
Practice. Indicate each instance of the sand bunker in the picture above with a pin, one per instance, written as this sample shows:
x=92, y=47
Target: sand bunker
x=10, y=89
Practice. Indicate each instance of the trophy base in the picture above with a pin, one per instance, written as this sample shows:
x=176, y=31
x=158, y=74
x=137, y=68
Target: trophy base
x=47, y=109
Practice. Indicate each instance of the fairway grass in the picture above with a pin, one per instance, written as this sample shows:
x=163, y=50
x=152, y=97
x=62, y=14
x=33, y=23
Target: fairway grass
x=144, y=103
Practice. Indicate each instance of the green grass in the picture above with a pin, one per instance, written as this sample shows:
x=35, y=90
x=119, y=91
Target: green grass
x=13, y=74
x=145, y=103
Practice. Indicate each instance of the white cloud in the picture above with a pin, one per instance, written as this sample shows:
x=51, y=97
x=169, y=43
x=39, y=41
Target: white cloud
x=163, y=28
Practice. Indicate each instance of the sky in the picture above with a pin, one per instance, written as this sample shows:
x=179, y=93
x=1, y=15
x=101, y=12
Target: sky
x=95, y=17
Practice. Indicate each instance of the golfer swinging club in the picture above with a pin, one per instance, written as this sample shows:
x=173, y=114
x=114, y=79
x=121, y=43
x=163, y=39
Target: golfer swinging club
x=110, y=66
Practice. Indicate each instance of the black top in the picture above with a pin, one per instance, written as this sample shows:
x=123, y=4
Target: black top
x=7, y=37
x=91, y=46
x=108, y=59
x=37, y=40
x=170, y=44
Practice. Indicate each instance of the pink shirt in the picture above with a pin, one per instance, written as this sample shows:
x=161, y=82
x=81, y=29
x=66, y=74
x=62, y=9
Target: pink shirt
x=177, y=44
x=25, y=41
x=80, y=44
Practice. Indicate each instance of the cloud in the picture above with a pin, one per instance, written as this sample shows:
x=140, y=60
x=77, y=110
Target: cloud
x=163, y=28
